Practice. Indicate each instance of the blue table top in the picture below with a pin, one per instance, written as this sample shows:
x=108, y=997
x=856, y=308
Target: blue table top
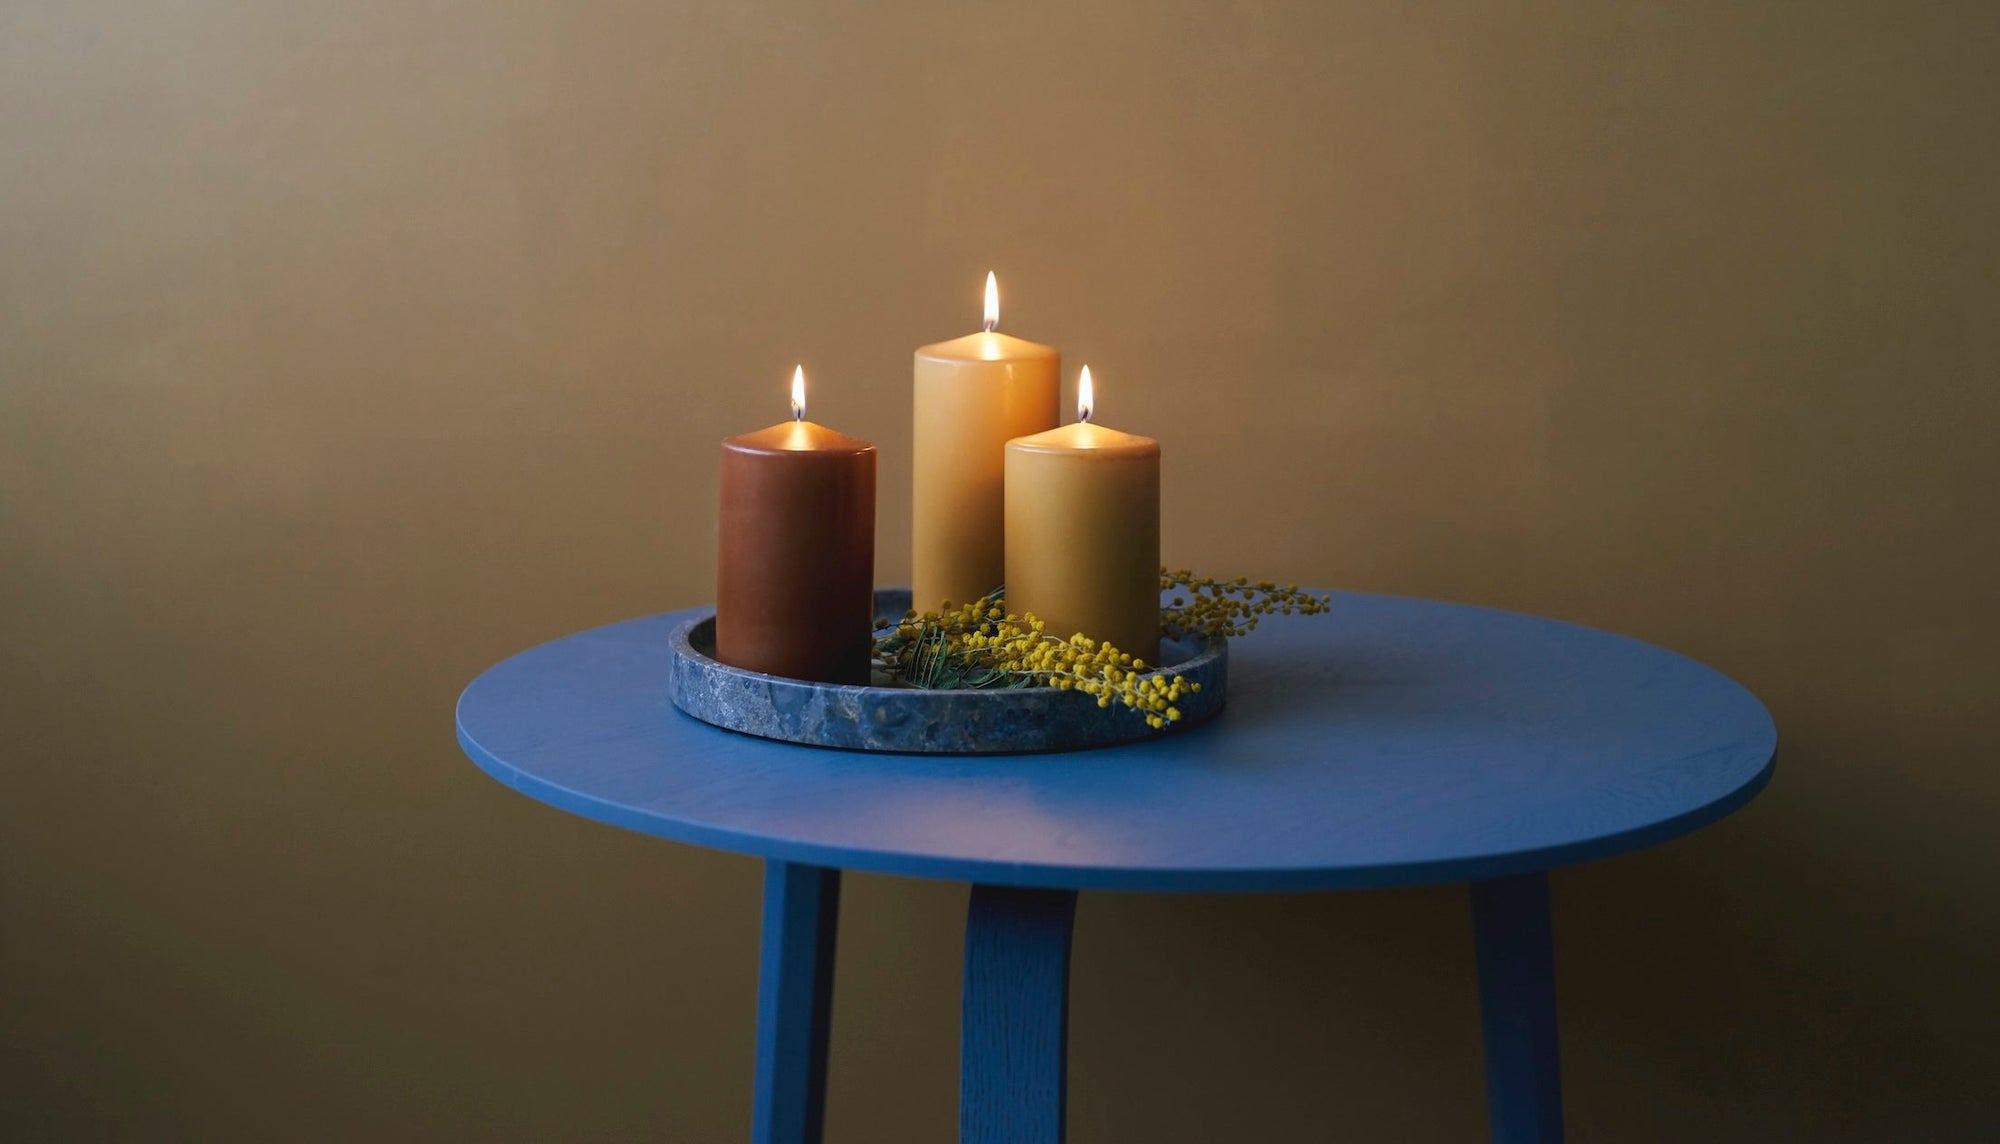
x=1390, y=742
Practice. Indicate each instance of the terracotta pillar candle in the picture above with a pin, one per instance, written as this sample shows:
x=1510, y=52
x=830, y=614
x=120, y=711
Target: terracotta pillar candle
x=973, y=394
x=1083, y=531
x=795, y=567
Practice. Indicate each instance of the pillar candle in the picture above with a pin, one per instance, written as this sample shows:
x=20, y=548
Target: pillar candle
x=1083, y=531
x=795, y=566
x=973, y=394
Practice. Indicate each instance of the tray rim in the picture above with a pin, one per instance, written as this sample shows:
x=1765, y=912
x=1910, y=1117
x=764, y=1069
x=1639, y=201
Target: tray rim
x=1207, y=661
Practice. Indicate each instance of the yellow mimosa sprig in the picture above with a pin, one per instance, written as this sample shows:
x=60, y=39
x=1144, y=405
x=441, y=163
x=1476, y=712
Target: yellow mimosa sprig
x=981, y=645
x=1226, y=608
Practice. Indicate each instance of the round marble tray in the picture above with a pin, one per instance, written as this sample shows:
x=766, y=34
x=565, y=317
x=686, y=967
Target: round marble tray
x=916, y=721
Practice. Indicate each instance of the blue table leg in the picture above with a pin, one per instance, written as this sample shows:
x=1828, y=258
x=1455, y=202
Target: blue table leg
x=794, y=1001
x=1517, y=1002
x=1014, y=1044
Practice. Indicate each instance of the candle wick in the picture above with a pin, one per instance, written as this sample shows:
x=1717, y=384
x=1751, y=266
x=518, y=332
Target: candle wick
x=991, y=324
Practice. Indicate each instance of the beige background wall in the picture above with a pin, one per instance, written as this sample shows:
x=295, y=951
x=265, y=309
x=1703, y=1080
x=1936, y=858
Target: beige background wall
x=348, y=347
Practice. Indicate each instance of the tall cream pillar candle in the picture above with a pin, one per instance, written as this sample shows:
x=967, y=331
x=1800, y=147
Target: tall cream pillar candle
x=973, y=394
x=1083, y=531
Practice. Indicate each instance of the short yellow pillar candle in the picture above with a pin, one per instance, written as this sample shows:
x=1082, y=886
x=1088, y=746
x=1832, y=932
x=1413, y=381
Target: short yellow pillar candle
x=973, y=394
x=1083, y=531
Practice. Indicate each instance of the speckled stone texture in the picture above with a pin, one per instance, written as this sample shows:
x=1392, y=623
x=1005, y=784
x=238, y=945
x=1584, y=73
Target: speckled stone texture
x=915, y=721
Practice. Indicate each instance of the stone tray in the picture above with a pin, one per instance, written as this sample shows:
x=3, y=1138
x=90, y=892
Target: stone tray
x=912, y=720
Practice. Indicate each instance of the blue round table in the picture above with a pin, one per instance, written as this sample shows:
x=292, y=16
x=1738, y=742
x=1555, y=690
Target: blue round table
x=1392, y=742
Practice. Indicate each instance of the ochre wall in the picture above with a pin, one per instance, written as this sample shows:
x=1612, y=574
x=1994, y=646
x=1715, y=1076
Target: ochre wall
x=346, y=348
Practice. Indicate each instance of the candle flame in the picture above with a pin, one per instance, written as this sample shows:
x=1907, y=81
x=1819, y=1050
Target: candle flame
x=799, y=394
x=1086, y=395
x=992, y=302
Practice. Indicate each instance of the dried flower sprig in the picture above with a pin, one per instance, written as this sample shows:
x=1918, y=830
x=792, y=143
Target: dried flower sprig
x=981, y=645
x=1228, y=607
